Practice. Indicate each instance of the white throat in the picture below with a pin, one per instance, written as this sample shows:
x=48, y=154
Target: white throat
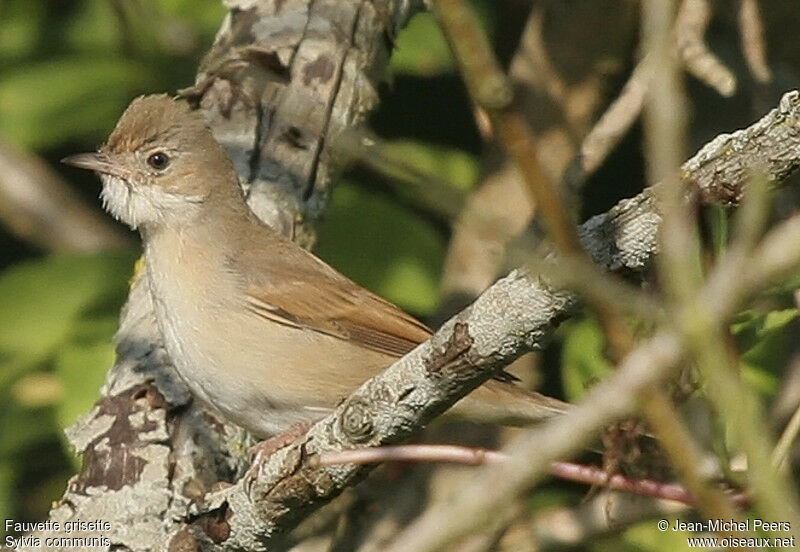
x=144, y=204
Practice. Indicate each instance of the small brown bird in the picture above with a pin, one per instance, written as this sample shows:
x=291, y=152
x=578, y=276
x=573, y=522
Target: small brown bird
x=259, y=328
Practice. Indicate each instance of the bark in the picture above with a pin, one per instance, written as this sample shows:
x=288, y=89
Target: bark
x=282, y=79
x=517, y=314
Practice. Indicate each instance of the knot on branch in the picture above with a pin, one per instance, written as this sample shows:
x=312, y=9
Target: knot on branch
x=452, y=354
x=789, y=103
x=216, y=525
x=356, y=420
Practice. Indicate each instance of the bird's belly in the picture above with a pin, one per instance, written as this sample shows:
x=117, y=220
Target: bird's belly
x=219, y=370
x=260, y=375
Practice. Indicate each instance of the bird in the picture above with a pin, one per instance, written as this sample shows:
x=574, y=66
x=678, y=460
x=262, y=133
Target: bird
x=261, y=330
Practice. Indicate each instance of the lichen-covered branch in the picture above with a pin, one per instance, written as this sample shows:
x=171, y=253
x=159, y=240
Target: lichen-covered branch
x=517, y=314
x=282, y=79
x=529, y=456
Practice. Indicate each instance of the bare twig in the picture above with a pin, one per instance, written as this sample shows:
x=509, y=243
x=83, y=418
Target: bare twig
x=569, y=471
x=491, y=90
x=685, y=457
x=783, y=447
x=606, y=513
x=690, y=29
x=491, y=217
x=615, y=121
x=603, y=290
x=681, y=274
x=751, y=30
x=609, y=512
x=478, y=67
x=530, y=456
x=559, y=111
x=454, y=454
x=39, y=207
x=665, y=137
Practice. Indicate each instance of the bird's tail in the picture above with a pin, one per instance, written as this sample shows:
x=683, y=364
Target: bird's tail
x=504, y=403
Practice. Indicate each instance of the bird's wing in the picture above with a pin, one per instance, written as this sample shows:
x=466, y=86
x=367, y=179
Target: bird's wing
x=310, y=294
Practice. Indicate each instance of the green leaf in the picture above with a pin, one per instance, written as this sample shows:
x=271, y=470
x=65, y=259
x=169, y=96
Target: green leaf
x=81, y=369
x=583, y=357
x=41, y=301
x=384, y=247
x=421, y=48
x=764, y=345
x=451, y=165
x=20, y=28
x=45, y=103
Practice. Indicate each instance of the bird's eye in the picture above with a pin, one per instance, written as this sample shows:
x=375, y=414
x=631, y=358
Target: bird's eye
x=159, y=160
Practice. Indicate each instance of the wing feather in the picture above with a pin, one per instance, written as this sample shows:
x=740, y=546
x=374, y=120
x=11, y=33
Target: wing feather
x=329, y=303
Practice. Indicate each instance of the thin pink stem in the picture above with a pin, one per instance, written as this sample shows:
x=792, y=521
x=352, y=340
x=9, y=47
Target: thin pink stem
x=569, y=471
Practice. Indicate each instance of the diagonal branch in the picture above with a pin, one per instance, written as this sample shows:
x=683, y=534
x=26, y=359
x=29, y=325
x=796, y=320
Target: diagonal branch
x=517, y=314
x=283, y=78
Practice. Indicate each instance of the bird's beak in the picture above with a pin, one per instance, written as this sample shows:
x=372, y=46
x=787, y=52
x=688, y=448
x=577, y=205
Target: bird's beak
x=98, y=162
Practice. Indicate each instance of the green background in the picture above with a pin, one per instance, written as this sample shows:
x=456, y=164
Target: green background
x=69, y=68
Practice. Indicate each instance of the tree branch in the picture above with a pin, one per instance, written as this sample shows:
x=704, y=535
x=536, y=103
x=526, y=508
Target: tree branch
x=282, y=79
x=517, y=314
x=151, y=456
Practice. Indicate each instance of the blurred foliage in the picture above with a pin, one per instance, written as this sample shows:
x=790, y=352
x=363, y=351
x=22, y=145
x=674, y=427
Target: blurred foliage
x=765, y=346
x=67, y=70
x=457, y=168
x=583, y=356
x=57, y=316
x=384, y=248
x=70, y=67
x=409, y=58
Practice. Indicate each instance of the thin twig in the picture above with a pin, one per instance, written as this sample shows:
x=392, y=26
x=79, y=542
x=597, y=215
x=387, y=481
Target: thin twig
x=531, y=455
x=604, y=291
x=39, y=207
x=610, y=511
x=615, y=121
x=686, y=458
x=783, y=448
x=570, y=471
x=491, y=90
x=690, y=30
x=751, y=30
x=665, y=137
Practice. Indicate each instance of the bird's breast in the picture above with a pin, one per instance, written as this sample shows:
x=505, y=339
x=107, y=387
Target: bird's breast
x=259, y=374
